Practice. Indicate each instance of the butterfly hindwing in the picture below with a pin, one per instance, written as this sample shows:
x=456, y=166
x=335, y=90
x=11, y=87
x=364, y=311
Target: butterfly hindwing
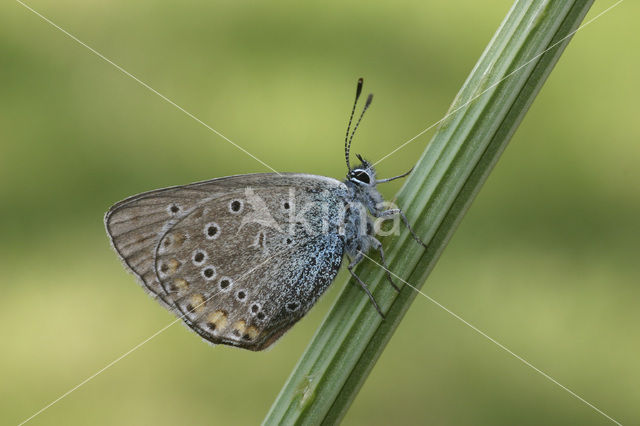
x=252, y=307
x=241, y=258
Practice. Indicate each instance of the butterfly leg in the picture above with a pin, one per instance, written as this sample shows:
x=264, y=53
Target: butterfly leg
x=394, y=212
x=353, y=263
x=378, y=246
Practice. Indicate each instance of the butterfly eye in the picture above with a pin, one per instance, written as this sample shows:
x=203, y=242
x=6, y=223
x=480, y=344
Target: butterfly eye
x=360, y=176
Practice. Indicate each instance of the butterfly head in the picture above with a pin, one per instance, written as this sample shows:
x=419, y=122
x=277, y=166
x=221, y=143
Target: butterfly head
x=364, y=175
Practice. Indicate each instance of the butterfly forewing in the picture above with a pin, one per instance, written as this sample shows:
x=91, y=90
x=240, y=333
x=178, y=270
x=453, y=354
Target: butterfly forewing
x=136, y=224
x=241, y=258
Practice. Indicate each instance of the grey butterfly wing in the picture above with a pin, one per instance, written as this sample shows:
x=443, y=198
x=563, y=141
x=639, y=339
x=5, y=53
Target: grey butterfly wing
x=228, y=255
x=253, y=308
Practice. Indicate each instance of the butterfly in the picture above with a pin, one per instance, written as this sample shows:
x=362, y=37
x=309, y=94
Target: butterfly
x=240, y=259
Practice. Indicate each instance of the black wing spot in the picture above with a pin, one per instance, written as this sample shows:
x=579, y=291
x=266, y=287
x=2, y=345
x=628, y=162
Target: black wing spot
x=212, y=230
x=235, y=206
x=224, y=283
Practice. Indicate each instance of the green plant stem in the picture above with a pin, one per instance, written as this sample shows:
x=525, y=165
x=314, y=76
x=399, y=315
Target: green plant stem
x=446, y=179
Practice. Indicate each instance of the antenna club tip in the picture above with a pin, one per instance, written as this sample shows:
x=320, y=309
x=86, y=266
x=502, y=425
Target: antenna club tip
x=369, y=99
x=359, y=88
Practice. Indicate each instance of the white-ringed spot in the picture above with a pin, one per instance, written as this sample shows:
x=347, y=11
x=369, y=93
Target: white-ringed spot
x=255, y=308
x=209, y=273
x=241, y=295
x=236, y=206
x=211, y=230
x=199, y=257
x=225, y=283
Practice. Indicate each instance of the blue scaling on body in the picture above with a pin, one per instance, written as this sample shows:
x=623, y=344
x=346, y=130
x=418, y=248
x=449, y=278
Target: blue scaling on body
x=242, y=258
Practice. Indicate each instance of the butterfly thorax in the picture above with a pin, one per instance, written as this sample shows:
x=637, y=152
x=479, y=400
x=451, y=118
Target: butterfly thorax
x=364, y=200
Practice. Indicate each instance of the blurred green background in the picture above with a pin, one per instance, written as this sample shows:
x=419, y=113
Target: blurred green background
x=546, y=261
